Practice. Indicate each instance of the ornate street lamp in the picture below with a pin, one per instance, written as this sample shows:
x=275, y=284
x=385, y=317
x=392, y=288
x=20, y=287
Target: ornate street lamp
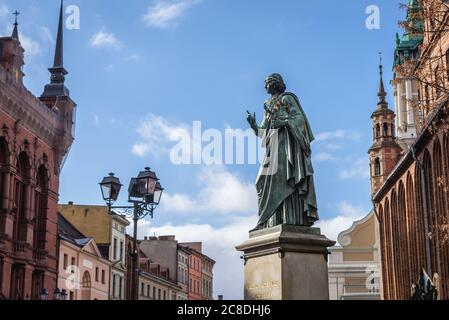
x=110, y=188
x=44, y=294
x=144, y=192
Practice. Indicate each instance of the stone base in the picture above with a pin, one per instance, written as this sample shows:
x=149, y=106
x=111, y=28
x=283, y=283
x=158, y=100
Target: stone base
x=286, y=263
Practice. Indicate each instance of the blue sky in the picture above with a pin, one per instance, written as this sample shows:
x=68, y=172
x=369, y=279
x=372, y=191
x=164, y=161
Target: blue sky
x=143, y=70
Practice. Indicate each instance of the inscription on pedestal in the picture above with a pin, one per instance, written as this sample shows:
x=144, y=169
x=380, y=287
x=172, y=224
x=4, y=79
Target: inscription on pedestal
x=263, y=278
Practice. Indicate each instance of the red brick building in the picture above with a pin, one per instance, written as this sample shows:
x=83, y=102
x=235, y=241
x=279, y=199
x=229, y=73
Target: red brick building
x=35, y=137
x=410, y=165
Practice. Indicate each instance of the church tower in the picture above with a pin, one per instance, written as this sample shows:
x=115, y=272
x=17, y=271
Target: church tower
x=385, y=151
x=405, y=88
x=56, y=96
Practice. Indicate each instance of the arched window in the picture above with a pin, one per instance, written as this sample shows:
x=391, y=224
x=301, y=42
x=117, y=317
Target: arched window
x=396, y=244
x=377, y=169
x=20, y=196
x=377, y=130
x=86, y=282
x=40, y=207
x=385, y=130
x=429, y=190
x=440, y=215
x=413, y=232
x=404, y=256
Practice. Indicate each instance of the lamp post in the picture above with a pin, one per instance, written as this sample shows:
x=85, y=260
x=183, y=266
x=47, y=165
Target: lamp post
x=144, y=193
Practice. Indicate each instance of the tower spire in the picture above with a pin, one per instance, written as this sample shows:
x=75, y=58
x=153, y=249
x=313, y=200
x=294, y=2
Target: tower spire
x=15, y=31
x=58, y=72
x=382, y=94
x=59, y=51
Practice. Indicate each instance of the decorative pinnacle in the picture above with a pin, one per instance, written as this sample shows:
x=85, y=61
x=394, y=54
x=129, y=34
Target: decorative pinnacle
x=382, y=94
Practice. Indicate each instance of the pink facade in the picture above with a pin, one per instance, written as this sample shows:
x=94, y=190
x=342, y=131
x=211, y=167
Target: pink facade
x=83, y=273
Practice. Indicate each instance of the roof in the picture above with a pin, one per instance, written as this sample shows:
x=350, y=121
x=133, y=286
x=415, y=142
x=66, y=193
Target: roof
x=410, y=41
x=69, y=233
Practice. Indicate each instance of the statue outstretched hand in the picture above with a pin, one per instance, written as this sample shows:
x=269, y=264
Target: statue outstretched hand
x=252, y=121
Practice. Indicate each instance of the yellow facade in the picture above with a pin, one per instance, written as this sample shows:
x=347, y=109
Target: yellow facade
x=354, y=272
x=90, y=220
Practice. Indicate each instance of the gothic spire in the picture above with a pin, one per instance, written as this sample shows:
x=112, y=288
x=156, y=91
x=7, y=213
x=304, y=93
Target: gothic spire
x=58, y=72
x=15, y=31
x=382, y=94
x=59, y=52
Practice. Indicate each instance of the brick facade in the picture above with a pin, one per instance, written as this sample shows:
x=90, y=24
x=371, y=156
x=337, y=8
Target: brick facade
x=35, y=136
x=412, y=203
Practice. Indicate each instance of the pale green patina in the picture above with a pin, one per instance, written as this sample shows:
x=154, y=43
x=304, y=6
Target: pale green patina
x=285, y=184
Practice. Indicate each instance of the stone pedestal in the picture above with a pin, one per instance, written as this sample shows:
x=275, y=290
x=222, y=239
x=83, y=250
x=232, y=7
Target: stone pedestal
x=286, y=263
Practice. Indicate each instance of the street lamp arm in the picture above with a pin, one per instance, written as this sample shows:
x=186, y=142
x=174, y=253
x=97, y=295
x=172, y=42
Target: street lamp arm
x=139, y=210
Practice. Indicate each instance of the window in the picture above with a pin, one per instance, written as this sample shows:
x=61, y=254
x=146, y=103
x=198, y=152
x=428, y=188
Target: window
x=142, y=288
x=165, y=295
x=385, y=129
x=113, y=286
x=159, y=294
x=72, y=295
x=114, y=249
x=154, y=293
x=121, y=250
x=103, y=276
x=66, y=261
x=148, y=290
x=97, y=274
x=377, y=171
x=73, y=264
x=120, y=287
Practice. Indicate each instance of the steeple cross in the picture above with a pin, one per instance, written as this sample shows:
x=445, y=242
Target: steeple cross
x=16, y=13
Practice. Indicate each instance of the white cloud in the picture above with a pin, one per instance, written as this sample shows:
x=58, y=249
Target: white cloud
x=337, y=134
x=347, y=214
x=32, y=48
x=323, y=156
x=163, y=13
x=359, y=169
x=46, y=35
x=219, y=244
x=157, y=133
x=103, y=39
x=140, y=149
x=220, y=192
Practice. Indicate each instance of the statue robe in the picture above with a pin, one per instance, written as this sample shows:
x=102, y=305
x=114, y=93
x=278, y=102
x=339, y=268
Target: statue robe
x=286, y=191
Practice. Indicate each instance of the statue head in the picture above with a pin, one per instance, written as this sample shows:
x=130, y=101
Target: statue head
x=274, y=84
